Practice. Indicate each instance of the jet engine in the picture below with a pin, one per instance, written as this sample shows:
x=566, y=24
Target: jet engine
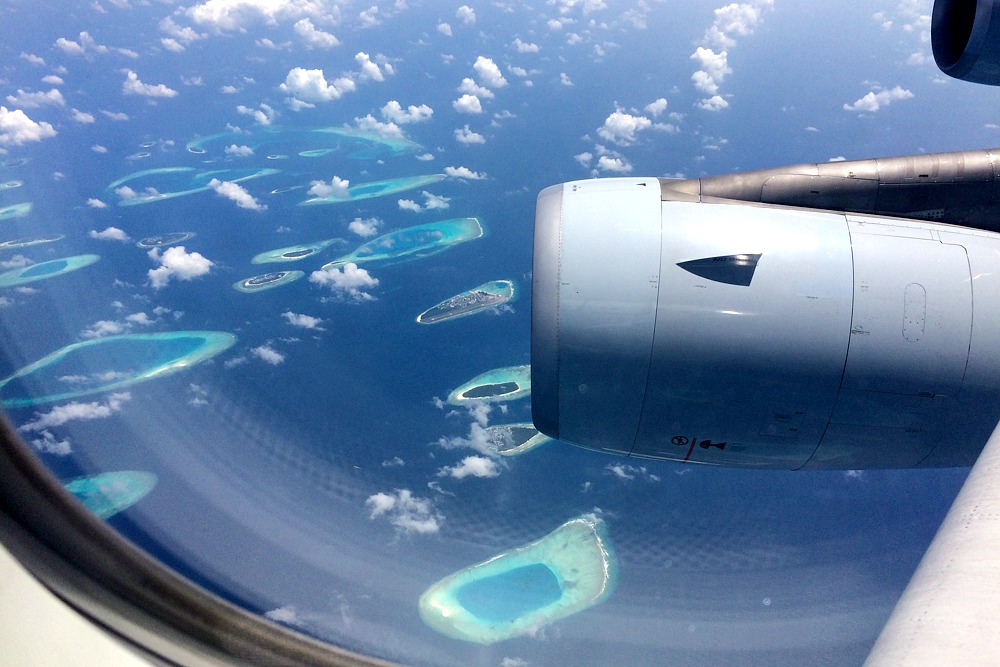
x=733, y=329
x=965, y=39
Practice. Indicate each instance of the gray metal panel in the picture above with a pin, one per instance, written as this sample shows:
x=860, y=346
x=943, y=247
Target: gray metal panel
x=545, y=312
x=961, y=187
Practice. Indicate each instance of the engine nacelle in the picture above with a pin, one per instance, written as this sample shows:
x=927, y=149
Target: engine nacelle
x=965, y=39
x=762, y=336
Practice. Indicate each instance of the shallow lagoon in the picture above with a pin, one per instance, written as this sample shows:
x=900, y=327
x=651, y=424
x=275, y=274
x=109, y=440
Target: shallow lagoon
x=515, y=439
x=43, y=270
x=107, y=364
x=15, y=210
x=292, y=253
x=413, y=242
x=377, y=189
x=500, y=384
x=520, y=591
x=109, y=493
x=177, y=182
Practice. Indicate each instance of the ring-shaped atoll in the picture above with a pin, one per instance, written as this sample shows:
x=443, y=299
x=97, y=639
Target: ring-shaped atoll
x=413, y=242
x=292, y=253
x=376, y=189
x=28, y=241
x=108, y=364
x=482, y=297
x=169, y=238
x=199, y=182
x=360, y=144
x=500, y=384
x=15, y=210
x=266, y=281
x=10, y=185
x=45, y=270
x=109, y=493
x=519, y=591
x=515, y=439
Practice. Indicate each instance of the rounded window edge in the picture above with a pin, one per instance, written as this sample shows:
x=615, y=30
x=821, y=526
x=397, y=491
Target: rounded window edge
x=126, y=592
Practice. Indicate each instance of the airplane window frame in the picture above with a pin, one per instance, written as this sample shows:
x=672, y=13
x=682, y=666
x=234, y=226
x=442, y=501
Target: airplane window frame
x=124, y=591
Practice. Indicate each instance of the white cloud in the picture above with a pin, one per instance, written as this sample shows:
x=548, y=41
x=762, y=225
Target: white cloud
x=408, y=513
x=337, y=187
x=564, y=79
x=304, y=321
x=310, y=85
x=263, y=115
x=584, y=158
x=431, y=202
x=394, y=112
x=53, y=80
x=616, y=165
x=15, y=262
x=444, y=29
x=471, y=466
x=86, y=46
x=369, y=70
x=16, y=128
x=470, y=87
x=177, y=263
x=714, y=103
x=621, y=128
x=109, y=234
x=75, y=411
x=630, y=472
x=236, y=193
x=466, y=15
x=464, y=172
x=268, y=354
x=32, y=58
x=82, y=116
x=96, y=203
x=48, y=444
x=656, y=107
x=287, y=615
x=171, y=44
x=525, y=47
x=468, y=104
x=350, y=281
x=489, y=74
x=714, y=68
x=29, y=100
x=313, y=36
x=227, y=15
x=115, y=115
x=731, y=21
x=873, y=101
x=366, y=227
x=133, y=86
x=238, y=151
x=103, y=328
x=467, y=136
x=138, y=318
x=371, y=124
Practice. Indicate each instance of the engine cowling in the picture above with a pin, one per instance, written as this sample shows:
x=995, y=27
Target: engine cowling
x=965, y=39
x=760, y=336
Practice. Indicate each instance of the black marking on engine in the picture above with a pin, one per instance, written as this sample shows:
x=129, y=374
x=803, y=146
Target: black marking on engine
x=729, y=269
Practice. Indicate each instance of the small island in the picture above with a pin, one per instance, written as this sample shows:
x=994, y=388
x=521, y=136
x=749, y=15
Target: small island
x=267, y=281
x=476, y=300
x=109, y=493
x=500, y=384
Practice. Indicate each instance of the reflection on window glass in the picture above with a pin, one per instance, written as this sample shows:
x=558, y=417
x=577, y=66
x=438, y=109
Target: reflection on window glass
x=226, y=226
